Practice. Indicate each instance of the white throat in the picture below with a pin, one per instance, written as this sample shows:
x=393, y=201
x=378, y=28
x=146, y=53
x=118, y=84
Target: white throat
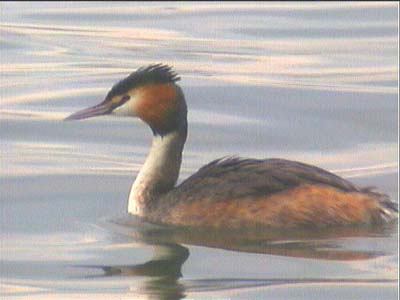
x=159, y=173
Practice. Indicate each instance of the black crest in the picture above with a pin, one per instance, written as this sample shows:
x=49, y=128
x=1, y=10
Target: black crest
x=157, y=73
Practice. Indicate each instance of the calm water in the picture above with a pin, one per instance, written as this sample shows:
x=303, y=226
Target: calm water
x=315, y=82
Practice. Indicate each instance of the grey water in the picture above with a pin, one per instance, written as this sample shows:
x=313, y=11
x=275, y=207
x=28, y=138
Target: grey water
x=314, y=82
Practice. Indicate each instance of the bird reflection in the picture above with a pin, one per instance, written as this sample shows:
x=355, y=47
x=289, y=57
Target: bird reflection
x=163, y=270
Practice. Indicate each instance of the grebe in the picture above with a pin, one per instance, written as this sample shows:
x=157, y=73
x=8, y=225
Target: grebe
x=227, y=192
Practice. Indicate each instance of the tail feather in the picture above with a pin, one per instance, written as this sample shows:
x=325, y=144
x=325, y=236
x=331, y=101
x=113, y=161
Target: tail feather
x=389, y=210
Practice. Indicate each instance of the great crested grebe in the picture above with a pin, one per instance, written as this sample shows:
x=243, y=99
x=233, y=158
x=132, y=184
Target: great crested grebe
x=228, y=192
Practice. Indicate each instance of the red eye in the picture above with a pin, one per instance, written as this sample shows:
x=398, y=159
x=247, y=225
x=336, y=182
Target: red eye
x=125, y=98
x=115, y=104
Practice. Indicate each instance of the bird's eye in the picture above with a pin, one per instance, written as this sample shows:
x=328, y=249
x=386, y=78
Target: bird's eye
x=125, y=98
x=115, y=102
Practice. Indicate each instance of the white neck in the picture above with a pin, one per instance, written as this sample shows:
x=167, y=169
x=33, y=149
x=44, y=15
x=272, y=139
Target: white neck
x=159, y=173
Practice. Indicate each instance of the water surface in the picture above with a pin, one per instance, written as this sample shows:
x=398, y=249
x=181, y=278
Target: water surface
x=315, y=82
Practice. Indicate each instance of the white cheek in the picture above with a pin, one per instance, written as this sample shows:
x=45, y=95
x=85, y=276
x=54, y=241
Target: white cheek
x=126, y=109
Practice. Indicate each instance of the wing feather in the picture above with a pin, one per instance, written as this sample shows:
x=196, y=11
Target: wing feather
x=234, y=178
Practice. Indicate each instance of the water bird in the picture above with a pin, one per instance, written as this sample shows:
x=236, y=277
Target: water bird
x=230, y=192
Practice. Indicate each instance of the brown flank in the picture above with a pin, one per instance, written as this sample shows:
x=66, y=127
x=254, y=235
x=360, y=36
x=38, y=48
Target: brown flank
x=302, y=206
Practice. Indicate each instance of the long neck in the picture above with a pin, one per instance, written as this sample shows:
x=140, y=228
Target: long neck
x=160, y=171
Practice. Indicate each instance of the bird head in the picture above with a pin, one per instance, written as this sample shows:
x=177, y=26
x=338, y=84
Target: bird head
x=150, y=93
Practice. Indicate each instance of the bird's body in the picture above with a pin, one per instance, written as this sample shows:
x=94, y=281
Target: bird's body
x=230, y=192
x=239, y=193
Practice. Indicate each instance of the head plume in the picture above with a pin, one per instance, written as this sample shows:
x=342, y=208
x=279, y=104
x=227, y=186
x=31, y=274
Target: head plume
x=152, y=74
